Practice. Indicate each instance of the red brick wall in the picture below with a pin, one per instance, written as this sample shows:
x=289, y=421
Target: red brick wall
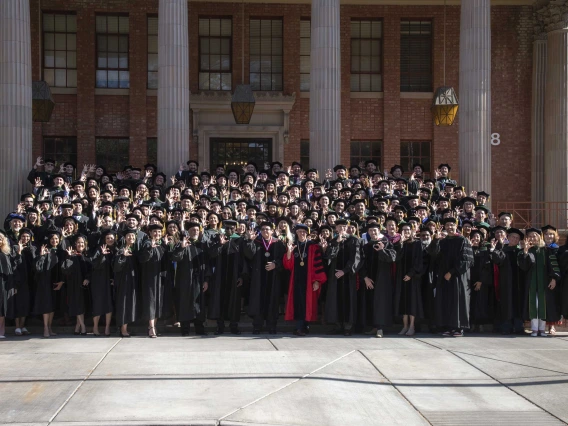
x=389, y=118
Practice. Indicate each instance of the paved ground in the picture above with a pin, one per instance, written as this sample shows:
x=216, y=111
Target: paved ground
x=250, y=380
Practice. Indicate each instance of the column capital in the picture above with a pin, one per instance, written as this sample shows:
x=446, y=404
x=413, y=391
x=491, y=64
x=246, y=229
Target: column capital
x=549, y=15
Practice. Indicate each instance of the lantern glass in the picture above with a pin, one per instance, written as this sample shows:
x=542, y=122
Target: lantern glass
x=242, y=104
x=444, y=106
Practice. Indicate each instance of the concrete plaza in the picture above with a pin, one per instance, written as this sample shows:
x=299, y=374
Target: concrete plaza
x=283, y=380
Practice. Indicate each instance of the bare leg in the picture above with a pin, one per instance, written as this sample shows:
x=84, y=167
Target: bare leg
x=51, y=333
x=46, y=325
x=96, y=325
x=108, y=317
x=123, y=329
x=81, y=321
x=152, y=328
x=411, y=331
x=405, y=324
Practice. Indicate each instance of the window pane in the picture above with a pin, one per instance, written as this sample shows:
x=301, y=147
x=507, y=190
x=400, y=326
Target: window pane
x=49, y=76
x=225, y=63
x=101, y=24
x=226, y=81
x=71, y=78
x=124, y=79
x=60, y=41
x=112, y=153
x=255, y=64
x=71, y=60
x=204, y=27
x=112, y=79
x=71, y=42
x=226, y=27
x=304, y=82
x=60, y=59
x=214, y=81
x=123, y=60
x=102, y=43
x=123, y=44
x=305, y=64
x=113, y=60
x=124, y=24
x=49, y=58
x=60, y=78
x=153, y=25
x=215, y=27
x=101, y=78
x=204, y=62
x=203, y=81
x=153, y=62
x=204, y=43
x=225, y=46
x=215, y=45
x=60, y=23
x=152, y=80
x=112, y=24
x=48, y=24
x=102, y=61
x=112, y=45
x=49, y=41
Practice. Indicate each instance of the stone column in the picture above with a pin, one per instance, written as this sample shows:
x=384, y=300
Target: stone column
x=325, y=86
x=475, y=96
x=15, y=102
x=556, y=122
x=173, y=85
x=537, y=127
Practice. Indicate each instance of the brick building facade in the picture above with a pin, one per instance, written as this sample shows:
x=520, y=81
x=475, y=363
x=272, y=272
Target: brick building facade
x=389, y=117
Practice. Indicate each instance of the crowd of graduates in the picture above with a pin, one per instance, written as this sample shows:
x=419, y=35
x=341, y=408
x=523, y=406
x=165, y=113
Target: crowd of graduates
x=355, y=248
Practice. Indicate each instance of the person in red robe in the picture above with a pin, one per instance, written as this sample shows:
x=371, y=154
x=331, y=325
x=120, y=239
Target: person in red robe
x=304, y=261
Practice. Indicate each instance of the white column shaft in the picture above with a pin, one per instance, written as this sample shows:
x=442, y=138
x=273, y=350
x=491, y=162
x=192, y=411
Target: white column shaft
x=325, y=85
x=173, y=85
x=537, y=124
x=15, y=102
x=475, y=95
x=556, y=119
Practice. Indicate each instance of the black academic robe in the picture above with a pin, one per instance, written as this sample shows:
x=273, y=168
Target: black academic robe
x=191, y=274
x=453, y=254
x=101, y=281
x=230, y=266
x=127, y=287
x=510, y=292
x=23, y=272
x=7, y=284
x=562, y=256
x=482, y=301
x=47, y=273
x=76, y=269
x=153, y=279
x=408, y=294
x=341, y=298
x=264, y=295
x=376, y=305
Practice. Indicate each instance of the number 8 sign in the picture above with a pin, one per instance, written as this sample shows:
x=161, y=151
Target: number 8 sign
x=495, y=139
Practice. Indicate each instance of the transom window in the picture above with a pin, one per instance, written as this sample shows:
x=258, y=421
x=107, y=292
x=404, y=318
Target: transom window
x=112, y=51
x=266, y=57
x=60, y=49
x=366, y=54
x=215, y=47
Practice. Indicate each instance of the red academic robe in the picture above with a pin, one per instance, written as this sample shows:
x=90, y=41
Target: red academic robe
x=315, y=273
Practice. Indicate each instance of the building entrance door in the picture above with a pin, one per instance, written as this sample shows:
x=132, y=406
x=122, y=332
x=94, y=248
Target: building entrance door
x=237, y=152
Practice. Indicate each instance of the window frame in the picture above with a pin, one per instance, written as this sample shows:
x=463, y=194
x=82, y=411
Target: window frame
x=148, y=16
x=107, y=69
x=305, y=19
x=43, y=49
x=260, y=73
x=407, y=165
x=54, y=154
x=220, y=37
x=363, y=158
x=104, y=163
x=381, y=55
x=431, y=38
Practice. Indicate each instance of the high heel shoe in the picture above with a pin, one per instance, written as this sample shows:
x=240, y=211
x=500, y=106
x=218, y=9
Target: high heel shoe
x=124, y=335
x=153, y=336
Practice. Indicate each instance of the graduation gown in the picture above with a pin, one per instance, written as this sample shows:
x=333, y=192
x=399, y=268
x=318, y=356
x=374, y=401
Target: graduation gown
x=100, y=285
x=482, y=301
x=302, y=299
x=408, y=294
x=541, y=266
x=562, y=256
x=153, y=279
x=341, y=300
x=230, y=266
x=510, y=283
x=453, y=254
x=76, y=269
x=127, y=287
x=264, y=295
x=23, y=274
x=191, y=273
x=47, y=273
x=7, y=284
x=376, y=303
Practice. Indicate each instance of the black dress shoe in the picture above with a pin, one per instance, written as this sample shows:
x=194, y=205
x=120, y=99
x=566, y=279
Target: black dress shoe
x=256, y=331
x=272, y=331
x=201, y=333
x=124, y=335
x=219, y=331
x=306, y=329
x=298, y=333
x=347, y=333
x=184, y=333
x=335, y=332
x=235, y=331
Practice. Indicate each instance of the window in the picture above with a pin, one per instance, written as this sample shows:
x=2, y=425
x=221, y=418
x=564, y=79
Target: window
x=305, y=153
x=412, y=152
x=305, y=51
x=234, y=153
x=152, y=151
x=152, y=52
x=112, y=153
x=416, y=56
x=60, y=50
x=112, y=51
x=366, y=54
x=60, y=149
x=366, y=150
x=215, y=47
x=266, y=54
